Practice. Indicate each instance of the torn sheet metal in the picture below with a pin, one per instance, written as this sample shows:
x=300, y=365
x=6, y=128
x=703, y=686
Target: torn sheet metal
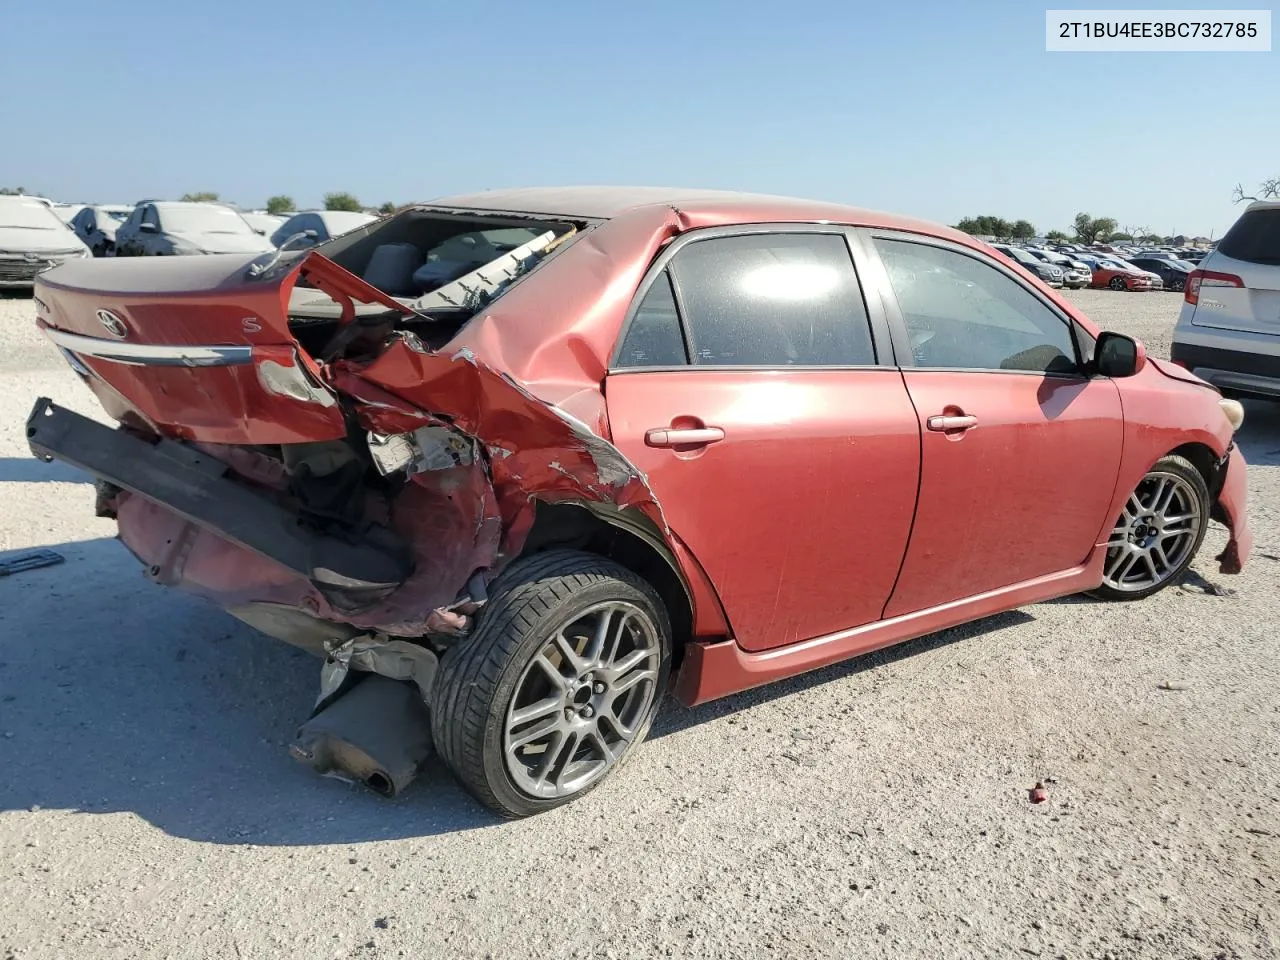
x=534, y=450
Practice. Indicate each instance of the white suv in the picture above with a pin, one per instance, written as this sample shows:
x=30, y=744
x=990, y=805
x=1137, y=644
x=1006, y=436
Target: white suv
x=1229, y=330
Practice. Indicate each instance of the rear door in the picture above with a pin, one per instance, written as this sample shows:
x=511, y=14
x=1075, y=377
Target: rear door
x=1240, y=286
x=772, y=425
x=1020, y=448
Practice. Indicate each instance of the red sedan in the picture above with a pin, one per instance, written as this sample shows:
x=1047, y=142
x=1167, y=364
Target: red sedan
x=1109, y=275
x=517, y=463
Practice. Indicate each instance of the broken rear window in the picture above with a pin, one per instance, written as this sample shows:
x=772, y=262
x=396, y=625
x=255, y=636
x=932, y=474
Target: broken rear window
x=446, y=266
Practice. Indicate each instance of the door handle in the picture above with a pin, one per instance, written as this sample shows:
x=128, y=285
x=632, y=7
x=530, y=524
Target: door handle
x=948, y=424
x=681, y=437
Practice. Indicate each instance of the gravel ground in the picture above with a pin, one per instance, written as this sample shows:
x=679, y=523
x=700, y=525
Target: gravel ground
x=148, y=807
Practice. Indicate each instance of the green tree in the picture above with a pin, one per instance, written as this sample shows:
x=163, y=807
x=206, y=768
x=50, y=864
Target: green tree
x=342, y=201
x=203, y=197
x=1091, y=230
x=1120, y=235
x=12, y=191
x=1056, y=235
x=387, y=208
x=985, y=226
x=280, y=204
x=1022, y=230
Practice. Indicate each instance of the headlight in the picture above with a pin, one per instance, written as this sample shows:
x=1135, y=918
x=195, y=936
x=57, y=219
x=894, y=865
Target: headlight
x=1234, y=412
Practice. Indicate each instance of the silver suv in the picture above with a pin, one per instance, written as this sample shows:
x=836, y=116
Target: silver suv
x=1048, y=272
x=1229, y=330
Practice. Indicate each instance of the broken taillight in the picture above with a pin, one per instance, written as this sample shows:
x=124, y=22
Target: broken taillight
x=1207, y=278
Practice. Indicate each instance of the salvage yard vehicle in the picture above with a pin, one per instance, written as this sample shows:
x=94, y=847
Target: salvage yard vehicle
x=1172, y=273
x=1050, y=273
x=1109, y=273
x=96, y=225
x=166, y=228
x=312, y=227
x=1229, y=328
x=657, y=439
x=32, y=238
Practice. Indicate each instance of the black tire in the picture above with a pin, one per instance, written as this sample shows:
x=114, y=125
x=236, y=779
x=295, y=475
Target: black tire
x=1116, y=283
x=1177, y=286
x=1186, y=470
x=528, y=603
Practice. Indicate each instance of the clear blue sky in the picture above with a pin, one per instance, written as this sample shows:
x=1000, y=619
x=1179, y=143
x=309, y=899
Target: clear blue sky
x=939, y=109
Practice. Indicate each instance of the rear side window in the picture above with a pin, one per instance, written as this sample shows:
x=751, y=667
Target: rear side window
x=654, y=338
x=1254, y=238
x=774, y=299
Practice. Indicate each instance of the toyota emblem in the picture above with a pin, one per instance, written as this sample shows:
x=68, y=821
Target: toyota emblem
x=112, y=324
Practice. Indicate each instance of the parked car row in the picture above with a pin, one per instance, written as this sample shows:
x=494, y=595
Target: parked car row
x=36, y=233
x=169, y=228
x=1075, y=266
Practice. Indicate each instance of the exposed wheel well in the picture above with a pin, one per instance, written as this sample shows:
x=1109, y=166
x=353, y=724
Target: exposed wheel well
x=1202, y=458
x=604, y=530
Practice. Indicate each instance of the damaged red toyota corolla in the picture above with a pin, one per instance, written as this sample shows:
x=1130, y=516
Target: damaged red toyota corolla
x=514, y=463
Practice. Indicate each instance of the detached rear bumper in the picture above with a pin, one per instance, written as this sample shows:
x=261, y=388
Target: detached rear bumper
x=348, y=566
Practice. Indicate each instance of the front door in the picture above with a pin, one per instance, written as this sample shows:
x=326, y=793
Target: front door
x=1020, y=448
x=747, y=389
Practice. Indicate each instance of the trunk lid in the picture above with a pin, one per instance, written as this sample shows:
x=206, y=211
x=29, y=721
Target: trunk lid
x=192, y=347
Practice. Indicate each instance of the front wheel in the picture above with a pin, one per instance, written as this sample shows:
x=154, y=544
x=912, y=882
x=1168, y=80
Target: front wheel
x=1177, y=285
x=1158, y=532
x=558, y=683
x=1117, y=283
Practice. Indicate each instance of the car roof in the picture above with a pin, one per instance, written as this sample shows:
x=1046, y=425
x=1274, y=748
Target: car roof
x=607, y=202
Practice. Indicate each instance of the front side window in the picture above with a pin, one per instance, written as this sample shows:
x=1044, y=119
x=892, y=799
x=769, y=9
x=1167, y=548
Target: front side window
x=772, y=299
x=963, y=313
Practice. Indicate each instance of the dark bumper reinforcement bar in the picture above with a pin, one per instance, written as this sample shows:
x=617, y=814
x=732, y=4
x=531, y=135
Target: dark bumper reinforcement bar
x=197, y=487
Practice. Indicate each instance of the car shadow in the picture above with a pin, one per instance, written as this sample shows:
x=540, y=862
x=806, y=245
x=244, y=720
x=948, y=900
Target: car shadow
x=180, y=714
x=31, y=470
x=119, y=695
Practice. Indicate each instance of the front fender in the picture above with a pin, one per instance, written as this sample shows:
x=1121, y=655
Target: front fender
x=1231, y=510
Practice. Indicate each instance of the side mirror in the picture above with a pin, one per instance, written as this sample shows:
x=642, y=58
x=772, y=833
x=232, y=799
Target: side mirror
x=1115, y=355
x=148, y=227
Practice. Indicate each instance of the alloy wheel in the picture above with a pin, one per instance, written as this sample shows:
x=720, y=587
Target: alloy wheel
x=581, y=700
x=1157, y=530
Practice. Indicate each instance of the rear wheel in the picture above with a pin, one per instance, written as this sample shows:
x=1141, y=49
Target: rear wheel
x=560, y=681
x=1177, y=285
x=1158, y=532
x=1117, y=283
